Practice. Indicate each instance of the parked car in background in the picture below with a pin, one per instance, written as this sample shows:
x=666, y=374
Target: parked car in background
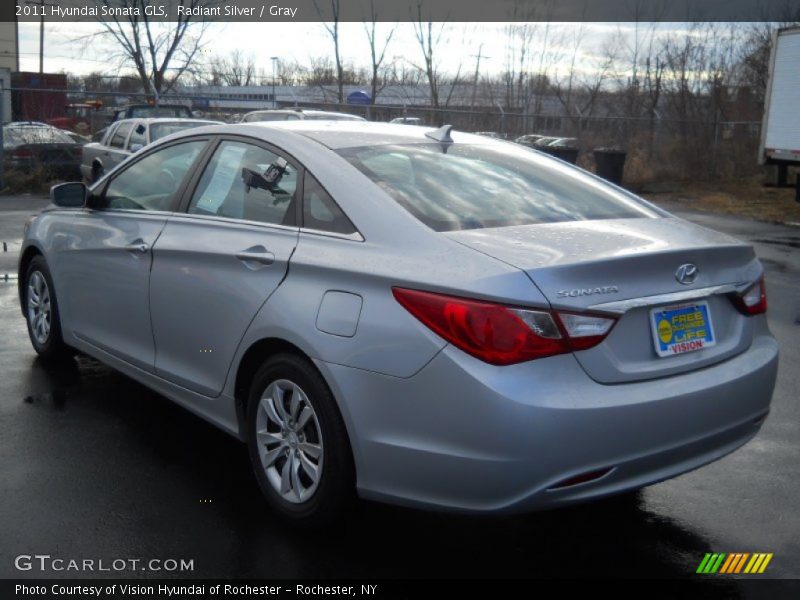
x=565, y=142
x=406, y=121
x=123, y=138
x=566, y=149
x=491, y=134
x=29, y=146
x=143, y=111
x=297, y=114
x=529, y=139
x=545, y=140
x=436, y=320
x=77, y=137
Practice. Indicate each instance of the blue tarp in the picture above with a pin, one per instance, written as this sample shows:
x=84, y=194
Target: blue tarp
x=359, y=97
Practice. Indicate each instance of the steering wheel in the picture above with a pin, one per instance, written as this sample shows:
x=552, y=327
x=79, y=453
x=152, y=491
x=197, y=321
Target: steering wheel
x=167, y=180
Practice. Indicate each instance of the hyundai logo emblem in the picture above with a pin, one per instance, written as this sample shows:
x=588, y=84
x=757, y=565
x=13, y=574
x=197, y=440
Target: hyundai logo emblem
x=686, y=274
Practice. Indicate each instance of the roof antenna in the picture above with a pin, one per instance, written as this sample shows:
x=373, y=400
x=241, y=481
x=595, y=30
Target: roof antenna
x=442, y=135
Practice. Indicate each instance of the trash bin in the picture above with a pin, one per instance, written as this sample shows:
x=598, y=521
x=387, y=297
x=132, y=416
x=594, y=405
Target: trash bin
x=567, y=153
x=610, y=164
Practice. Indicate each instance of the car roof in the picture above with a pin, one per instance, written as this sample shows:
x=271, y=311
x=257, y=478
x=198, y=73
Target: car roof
x=301, y=111
x=156, y=120
x=141, y=105
x=349, y=134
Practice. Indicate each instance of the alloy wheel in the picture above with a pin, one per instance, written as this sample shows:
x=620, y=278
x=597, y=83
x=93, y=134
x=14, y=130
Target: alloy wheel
x=289, y=441
x=39, y=309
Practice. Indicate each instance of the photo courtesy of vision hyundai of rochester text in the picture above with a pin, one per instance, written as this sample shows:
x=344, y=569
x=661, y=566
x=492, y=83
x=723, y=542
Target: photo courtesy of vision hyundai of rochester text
x=406, y=314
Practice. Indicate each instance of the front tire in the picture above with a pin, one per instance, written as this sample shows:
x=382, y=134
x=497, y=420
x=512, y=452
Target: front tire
x=298, y=444
x=41, y=312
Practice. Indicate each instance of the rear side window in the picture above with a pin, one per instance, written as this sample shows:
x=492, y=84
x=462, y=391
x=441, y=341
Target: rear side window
x=243, y=181
x=476, y=186
x=320, y=212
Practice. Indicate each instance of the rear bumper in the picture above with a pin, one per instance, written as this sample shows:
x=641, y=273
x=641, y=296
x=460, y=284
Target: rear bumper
x=463, y=435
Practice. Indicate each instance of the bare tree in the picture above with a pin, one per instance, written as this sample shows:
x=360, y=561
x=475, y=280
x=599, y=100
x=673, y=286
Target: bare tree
x=288, y=73
x=579, y=90
x=234, y=70
x=377, y=52
x=428, y=37
x=333, y=30
x=530, y=54
x=159, y=52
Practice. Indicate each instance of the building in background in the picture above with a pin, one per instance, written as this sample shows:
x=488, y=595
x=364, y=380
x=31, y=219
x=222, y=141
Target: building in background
x=9, y=60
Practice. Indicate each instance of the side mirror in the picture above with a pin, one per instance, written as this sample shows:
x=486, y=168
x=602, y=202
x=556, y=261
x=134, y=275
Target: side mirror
x=68, y=195
x=136, y=147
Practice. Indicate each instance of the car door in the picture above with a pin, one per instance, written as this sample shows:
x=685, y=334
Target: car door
x=116, y=151
x=215, y=264
x=105, y=254
x=138, y=137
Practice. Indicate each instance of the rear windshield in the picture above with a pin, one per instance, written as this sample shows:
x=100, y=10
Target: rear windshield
x=159, y=130
x=265, y=116
x=14, y=136
x=159, y=111
x=330, y=117
x=476, y=186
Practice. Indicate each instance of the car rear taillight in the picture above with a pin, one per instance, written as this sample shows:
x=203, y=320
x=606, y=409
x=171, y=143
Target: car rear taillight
x=753, y=301
x=503, y=335
x=23, y=153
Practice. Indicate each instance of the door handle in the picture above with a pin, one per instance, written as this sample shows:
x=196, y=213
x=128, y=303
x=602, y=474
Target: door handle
x=257, y=254
x=137, y=246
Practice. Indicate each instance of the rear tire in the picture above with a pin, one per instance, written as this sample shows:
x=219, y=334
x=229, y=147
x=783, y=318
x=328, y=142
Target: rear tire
x=41, y=312
x=298, y=444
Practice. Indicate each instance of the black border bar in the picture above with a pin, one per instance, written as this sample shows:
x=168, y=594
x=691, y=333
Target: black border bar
x=474, y=11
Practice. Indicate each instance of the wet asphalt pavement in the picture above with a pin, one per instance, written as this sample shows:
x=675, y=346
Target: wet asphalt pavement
x=95, y=465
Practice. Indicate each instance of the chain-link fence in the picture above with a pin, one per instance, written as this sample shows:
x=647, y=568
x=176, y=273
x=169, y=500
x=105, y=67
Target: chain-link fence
x=658, y=149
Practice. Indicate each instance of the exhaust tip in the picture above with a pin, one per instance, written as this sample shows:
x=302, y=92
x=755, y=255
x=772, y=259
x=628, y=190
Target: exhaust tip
x=581, y=478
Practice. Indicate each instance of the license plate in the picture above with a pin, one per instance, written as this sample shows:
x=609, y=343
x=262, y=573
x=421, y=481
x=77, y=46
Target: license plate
x=682, y=328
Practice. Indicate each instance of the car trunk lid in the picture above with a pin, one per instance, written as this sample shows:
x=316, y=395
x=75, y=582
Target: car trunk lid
x=628, y=267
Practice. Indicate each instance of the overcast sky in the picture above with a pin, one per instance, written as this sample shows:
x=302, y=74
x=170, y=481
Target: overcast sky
x=303, y=41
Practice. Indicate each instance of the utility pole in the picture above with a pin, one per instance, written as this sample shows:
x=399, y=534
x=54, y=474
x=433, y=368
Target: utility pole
x=274, y=60
x=477, y=57
x=42, y=4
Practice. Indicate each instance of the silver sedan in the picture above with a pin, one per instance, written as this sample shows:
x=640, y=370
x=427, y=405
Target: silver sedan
x=427, y=318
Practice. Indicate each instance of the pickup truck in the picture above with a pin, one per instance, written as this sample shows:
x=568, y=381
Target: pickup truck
x=125, y=137
x=142, y=111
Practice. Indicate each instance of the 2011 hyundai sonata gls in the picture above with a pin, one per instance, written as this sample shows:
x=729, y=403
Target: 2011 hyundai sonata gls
x=446, y=322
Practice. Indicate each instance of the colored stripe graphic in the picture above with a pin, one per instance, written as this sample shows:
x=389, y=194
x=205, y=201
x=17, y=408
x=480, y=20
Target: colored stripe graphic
x=703, y=563
x=765, y=563
x=741, y=562
x=729, y=562
x=734, y=562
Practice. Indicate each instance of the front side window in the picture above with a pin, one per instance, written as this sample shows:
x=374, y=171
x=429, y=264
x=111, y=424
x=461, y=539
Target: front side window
x=138, y=136
x=472, y=186
x=244, y=181
x=150, y=183
x=120, y=135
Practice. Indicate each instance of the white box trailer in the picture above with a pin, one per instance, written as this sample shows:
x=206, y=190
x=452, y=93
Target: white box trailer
x=780, y=128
